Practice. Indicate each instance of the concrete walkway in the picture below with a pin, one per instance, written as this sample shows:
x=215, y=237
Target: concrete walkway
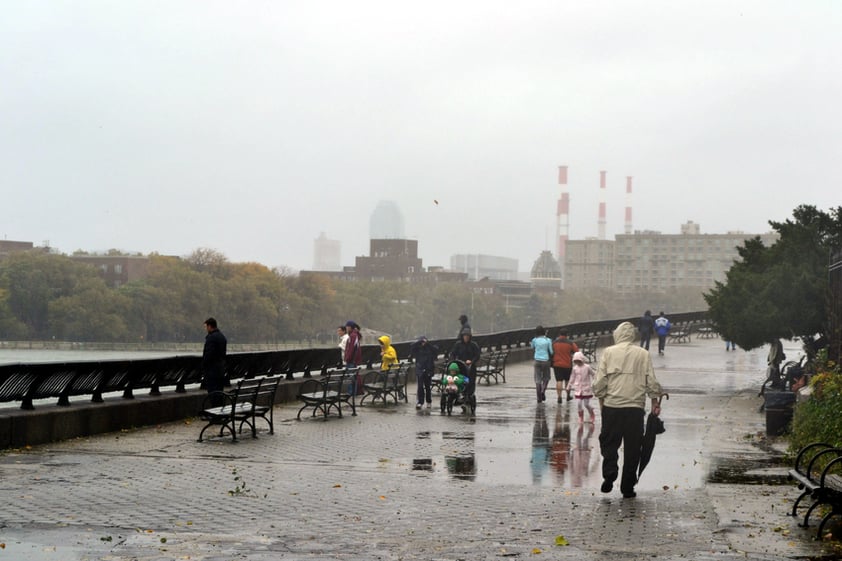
x=393, y=483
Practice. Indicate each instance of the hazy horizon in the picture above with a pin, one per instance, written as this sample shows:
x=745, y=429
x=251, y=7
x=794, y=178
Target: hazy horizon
x=249, y=128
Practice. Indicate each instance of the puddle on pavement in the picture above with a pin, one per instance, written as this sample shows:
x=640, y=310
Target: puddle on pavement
x=762, y=471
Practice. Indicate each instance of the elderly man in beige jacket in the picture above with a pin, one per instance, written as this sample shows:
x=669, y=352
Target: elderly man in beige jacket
x=624, y=378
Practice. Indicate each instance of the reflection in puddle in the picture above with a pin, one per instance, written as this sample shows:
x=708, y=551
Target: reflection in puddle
x=453, y=449
x=422, y=464
x=461, y=467
x=540, y=445
x=560, y=449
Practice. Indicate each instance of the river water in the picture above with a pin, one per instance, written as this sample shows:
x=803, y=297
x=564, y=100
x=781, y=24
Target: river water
x=14, y=356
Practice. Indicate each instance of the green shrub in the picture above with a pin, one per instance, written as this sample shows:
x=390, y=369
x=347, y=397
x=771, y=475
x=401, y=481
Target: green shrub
x=819, y=419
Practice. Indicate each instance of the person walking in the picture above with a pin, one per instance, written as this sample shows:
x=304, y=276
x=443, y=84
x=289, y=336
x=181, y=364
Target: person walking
x=662, y=328
x=563, y=349
x=624, y=378
x=646, y=327
x=581, y=380
x=425, y=354
x=543, y=354
x=213, y=361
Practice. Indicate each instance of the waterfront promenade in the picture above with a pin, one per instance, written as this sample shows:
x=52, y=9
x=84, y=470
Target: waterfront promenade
x=394, y=483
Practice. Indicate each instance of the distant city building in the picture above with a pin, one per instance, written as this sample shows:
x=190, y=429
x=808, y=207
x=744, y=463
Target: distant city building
x=327, y=254
x=649, y=261
x=392, y=260
x=479, y=266
x=546, y=272
x=589, y=263
x=386, y=222
x=8, y=247
x=117, y=270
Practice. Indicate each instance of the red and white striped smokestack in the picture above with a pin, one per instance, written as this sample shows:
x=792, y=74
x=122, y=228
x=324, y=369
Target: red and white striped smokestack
x=628, y=225
x=601, y=222
x=562, y=216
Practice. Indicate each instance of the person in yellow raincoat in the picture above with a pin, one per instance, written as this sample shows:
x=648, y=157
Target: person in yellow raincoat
x=387, y=352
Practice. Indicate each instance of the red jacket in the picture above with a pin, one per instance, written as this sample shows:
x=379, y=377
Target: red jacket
x=563, y=349
x=353, y=350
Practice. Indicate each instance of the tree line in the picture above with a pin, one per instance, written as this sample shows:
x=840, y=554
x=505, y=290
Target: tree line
x=45, y=296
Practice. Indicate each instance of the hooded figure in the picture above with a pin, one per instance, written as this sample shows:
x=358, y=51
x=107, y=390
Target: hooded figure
x=624, y=378
x=387, y=352
x=425, y=354
x=468, y=352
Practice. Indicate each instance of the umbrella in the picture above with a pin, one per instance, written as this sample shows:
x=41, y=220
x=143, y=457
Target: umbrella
x=654, y=427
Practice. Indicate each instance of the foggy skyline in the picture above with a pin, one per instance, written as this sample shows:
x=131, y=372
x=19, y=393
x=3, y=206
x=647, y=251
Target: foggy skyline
x=249, y=128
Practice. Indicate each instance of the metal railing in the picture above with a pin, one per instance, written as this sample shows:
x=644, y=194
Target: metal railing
x=27, y=382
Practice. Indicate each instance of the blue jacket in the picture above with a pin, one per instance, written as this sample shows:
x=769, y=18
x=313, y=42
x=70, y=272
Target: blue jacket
x=662, y=326
x=543, y=347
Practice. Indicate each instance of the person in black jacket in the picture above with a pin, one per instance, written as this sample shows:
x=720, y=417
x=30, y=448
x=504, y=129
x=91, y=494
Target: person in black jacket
x=213, y=360
x=425, y=354
x=463, y=325
x=468, y=352
x=646, y=327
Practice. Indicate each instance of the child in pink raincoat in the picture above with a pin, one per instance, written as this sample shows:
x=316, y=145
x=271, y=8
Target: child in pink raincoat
x=581, y=381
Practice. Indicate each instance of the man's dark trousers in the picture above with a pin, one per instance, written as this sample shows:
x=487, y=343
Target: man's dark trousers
x=624, y=426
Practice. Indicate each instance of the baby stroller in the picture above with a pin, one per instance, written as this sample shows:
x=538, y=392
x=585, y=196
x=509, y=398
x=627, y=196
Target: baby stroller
x=457, y=389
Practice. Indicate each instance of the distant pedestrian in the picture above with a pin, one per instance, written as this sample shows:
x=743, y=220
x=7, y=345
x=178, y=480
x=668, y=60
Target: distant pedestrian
x=624, y=378
x=213, y=361
x=463, y=325
x=774, y=359
x=662, y=327
x=730, y=345
x=563, y=349
x=581, y=380
x=388, y=355
x=646, y=327
x=543, y=354
x=425, y=354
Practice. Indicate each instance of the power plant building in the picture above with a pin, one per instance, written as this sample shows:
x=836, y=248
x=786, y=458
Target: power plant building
x=649, y=261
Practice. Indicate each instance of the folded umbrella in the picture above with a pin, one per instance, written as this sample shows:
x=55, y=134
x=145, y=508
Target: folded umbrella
x=654, y=427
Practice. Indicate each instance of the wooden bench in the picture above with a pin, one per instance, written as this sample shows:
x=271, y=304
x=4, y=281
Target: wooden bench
x=588, y=347
x=818, y=473
x=678, y=337
x=243, y=406
x=492, y=365
x=382, y=384
x=264, y=403
x=328, y=392
x=706, y=333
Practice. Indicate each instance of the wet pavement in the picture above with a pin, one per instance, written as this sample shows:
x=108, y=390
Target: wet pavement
x=395, y=483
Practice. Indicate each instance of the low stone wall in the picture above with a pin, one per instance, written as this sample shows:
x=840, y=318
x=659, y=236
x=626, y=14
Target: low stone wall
x=50, y=423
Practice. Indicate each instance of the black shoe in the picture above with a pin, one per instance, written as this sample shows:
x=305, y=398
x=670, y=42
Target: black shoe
x=559, y=400
x=629, y=494
x=607, y=486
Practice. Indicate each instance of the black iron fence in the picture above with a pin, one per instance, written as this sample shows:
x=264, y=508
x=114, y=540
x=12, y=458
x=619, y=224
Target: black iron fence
x=27, y=383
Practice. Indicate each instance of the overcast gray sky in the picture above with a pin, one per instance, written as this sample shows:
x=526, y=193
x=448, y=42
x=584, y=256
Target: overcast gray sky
x=250, y=127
